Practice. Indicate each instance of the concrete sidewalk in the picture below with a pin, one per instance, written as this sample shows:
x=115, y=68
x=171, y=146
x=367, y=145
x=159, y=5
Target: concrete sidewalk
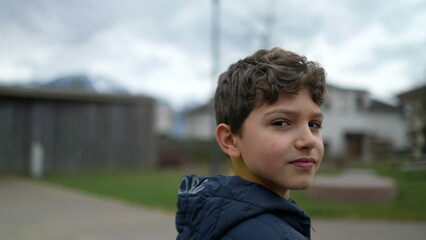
x=31, y=210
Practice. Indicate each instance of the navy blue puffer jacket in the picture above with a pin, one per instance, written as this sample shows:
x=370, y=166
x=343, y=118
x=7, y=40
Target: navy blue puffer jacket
x=231, y=208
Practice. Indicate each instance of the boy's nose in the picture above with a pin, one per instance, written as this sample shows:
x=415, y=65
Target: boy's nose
x=305, y=139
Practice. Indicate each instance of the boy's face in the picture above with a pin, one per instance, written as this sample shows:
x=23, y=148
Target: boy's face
x=280, y=145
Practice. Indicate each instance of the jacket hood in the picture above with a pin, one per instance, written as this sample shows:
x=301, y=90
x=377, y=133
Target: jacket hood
x=209, y=207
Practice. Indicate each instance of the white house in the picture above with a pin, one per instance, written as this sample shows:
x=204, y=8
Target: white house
x=356, y=126
x=359, y=127
x=164, y=117
x=200, y=123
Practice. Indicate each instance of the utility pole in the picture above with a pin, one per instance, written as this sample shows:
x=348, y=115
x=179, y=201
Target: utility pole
x=215, y=61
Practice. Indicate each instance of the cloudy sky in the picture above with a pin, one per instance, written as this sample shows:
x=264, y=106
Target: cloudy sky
x=162, y=48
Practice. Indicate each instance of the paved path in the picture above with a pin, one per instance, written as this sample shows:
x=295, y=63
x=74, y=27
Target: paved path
x=30, y=210
x=368, y=230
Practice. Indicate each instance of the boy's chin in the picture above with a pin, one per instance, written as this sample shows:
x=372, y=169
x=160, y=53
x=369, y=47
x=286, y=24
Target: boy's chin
x=302, y=185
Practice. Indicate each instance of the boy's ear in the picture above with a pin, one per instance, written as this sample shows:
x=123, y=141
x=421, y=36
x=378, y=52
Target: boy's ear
x=225, y=139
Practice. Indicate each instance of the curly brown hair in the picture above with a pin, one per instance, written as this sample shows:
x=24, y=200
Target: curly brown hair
x=262, y=77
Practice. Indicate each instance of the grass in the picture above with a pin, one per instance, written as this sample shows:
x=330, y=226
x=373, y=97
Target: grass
x=158, y=189
x=408, y=205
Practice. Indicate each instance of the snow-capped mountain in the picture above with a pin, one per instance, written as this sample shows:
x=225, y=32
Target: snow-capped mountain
x=81, y=82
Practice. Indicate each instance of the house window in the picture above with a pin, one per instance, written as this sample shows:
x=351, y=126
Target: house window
x=359, y=103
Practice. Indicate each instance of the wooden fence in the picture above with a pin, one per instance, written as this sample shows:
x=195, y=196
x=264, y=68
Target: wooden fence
x=74, y=130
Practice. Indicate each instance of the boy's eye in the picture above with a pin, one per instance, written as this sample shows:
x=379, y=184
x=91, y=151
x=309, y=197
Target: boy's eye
x=315, y=125
x=280, y=123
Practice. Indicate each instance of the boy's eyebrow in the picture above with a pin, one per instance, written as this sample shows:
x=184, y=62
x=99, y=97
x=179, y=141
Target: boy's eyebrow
x=293, y=112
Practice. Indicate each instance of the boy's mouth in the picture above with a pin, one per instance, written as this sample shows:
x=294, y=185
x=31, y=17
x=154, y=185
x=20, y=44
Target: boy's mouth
x=304, y=163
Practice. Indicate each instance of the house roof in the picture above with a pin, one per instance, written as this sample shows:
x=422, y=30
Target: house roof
x=416, y=93
x=331, y=86
x=70, y=95
x=377, y=106
x=206, y=107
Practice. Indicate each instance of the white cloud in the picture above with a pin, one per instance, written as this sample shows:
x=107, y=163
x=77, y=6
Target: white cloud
x=163, y=47
x=365, y=61
x=160, y=69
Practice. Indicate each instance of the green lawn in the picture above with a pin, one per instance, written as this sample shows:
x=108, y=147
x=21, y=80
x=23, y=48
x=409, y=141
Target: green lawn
x=150, y=188
x=158, y=189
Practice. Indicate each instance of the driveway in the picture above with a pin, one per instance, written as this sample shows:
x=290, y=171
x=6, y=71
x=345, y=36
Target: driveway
x=33, y=210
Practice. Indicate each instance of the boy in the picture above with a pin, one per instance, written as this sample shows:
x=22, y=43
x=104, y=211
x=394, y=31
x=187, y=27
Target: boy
x=269, y=119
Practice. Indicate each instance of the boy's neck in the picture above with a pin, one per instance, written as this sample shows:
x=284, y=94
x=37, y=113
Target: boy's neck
x=241, y=170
